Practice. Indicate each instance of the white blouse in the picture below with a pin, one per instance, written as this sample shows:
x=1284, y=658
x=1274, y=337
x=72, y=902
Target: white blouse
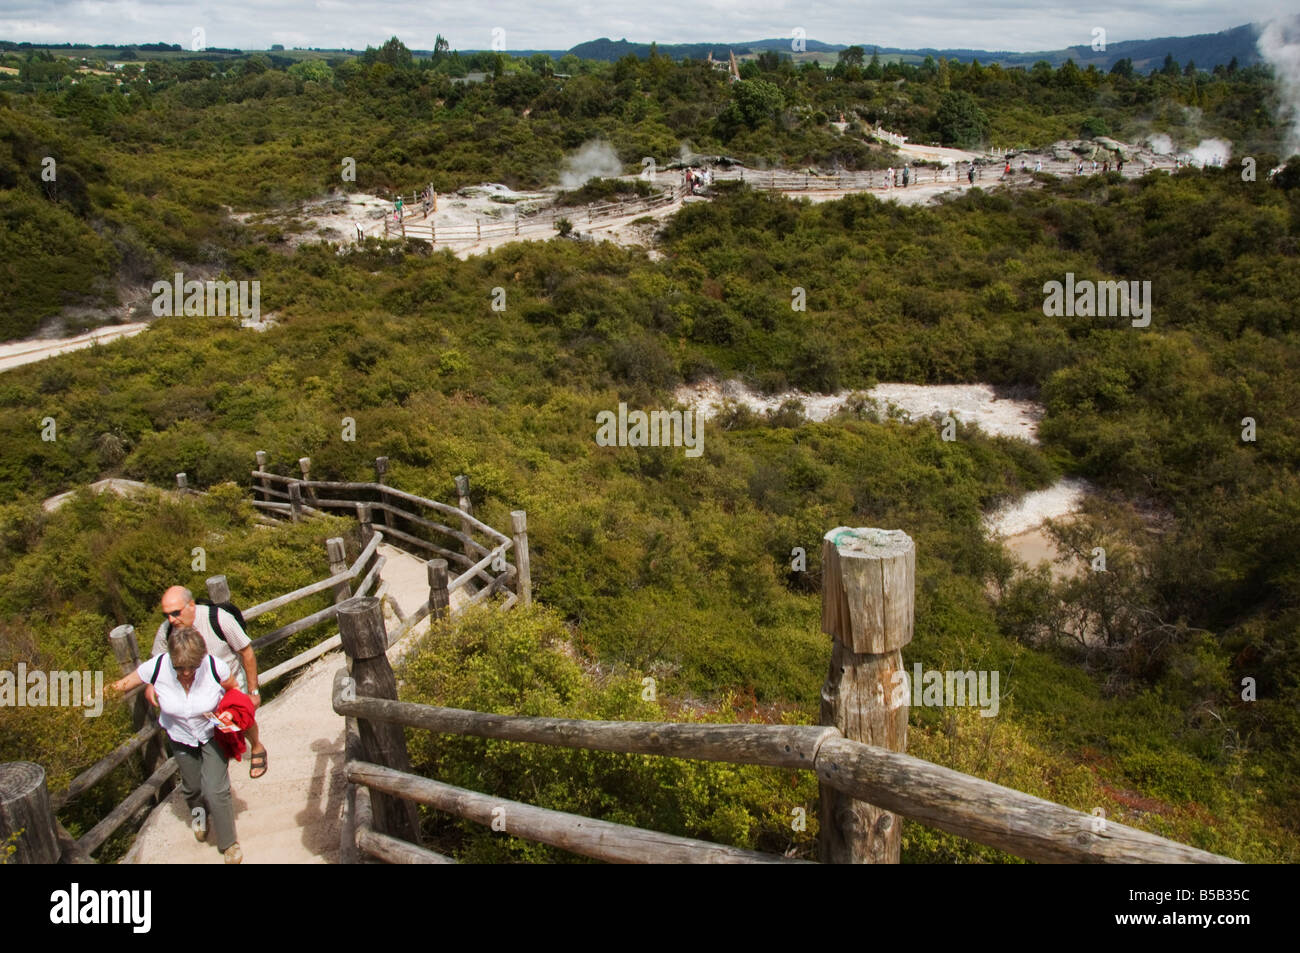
x=182, y=712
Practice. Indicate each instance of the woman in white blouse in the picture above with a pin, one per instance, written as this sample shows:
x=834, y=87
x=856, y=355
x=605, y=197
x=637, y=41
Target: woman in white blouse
x=190, y=684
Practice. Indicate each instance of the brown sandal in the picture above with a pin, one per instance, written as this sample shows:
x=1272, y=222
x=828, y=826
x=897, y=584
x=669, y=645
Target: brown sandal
x=256, y=761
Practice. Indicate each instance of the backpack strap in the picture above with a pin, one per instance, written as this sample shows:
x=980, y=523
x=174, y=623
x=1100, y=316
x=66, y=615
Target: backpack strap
x=215, y=623
x=212, y=664
x=157, y=666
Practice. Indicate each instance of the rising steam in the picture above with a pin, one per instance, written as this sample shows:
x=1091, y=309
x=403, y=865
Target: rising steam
x=595, y=159
x=1279, y=45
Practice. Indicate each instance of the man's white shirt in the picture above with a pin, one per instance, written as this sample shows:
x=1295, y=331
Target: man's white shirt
x=182, y=712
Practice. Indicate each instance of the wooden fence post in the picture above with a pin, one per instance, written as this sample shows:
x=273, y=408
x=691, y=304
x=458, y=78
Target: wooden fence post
x=868, y=582
x=127, y=652
x=305, y=464
x=439, y=598
x=295, y=500
x=182, y=482
x=361, y=628
x=338, y=563
x=523, y=579
x=218, y=589
x=367, y=524
x=25, y=807
x=264, y=483
x=381, y=468
x=467, y=507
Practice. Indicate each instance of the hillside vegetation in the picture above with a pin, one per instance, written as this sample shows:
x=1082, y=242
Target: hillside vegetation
x=650, y=563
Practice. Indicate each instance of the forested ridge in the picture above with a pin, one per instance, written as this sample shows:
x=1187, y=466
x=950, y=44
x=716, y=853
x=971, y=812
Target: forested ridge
x=650, y=563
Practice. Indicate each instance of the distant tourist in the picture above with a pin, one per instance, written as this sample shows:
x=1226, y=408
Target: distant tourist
x=1038, y=165
x=970, y=173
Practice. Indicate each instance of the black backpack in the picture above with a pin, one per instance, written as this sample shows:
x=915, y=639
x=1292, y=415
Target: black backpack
x=213, y=617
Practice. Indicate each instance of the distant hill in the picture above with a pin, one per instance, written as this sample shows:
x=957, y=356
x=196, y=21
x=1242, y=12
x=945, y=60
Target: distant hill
x=1207, y=50
x=607, y=49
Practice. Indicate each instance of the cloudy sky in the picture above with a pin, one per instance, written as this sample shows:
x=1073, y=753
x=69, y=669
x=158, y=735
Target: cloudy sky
x=559, y=24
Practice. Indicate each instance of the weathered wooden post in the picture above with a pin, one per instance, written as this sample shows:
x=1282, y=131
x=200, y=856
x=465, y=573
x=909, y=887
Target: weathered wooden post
x=439, y=598
x=182, y=482
x=523, y=577
x=218, y=589
x=367, y=524
x=127, y=652
x=466, y=507
x=26, y=815
x=305, y=464
x=295, y=500
x=361, y=628
x=868, y=583
x=338, y=563
x=263, y=482
x=381, y=468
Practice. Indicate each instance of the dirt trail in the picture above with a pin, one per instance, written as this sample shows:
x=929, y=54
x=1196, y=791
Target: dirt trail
x=18, y=353
x=291, y=814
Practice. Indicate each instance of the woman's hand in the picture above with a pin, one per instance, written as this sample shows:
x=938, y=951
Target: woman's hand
x=126, y=683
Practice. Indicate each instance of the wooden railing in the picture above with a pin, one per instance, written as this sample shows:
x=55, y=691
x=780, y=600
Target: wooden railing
x=521, y=226
x=147, y=739
x=481, y=552
x=484, y=559
x=866, y=788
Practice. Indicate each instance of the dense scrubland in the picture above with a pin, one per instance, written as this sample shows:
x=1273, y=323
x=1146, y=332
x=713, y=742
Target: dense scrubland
x=146, y=169
x=647, y=562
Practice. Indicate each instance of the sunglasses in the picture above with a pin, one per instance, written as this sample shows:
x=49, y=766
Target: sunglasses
x=175, y=614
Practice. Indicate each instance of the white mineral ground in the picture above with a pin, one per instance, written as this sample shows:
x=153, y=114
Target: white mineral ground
x=1018, y=524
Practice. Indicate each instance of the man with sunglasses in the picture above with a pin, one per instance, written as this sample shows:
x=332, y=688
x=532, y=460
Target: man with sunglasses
x=180, y=610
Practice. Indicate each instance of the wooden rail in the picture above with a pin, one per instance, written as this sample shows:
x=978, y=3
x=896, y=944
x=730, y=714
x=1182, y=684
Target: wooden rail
x=868, y=782
x=980, y=810
x=526, y=225
x=484, y=560
x=147, y=738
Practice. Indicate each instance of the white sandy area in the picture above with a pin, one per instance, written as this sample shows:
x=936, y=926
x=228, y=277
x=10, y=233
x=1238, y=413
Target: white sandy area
x=1028, y=513
x=1016, y=523
x=976, y=404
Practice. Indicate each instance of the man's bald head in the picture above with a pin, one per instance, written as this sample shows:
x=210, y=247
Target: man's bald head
x=178, y=605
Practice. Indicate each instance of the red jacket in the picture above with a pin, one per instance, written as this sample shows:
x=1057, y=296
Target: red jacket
x=242, y=712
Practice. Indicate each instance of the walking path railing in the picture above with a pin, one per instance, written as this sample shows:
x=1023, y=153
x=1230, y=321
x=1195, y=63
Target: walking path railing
x=25, y=802
x=867, y=781
x=520, y=226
